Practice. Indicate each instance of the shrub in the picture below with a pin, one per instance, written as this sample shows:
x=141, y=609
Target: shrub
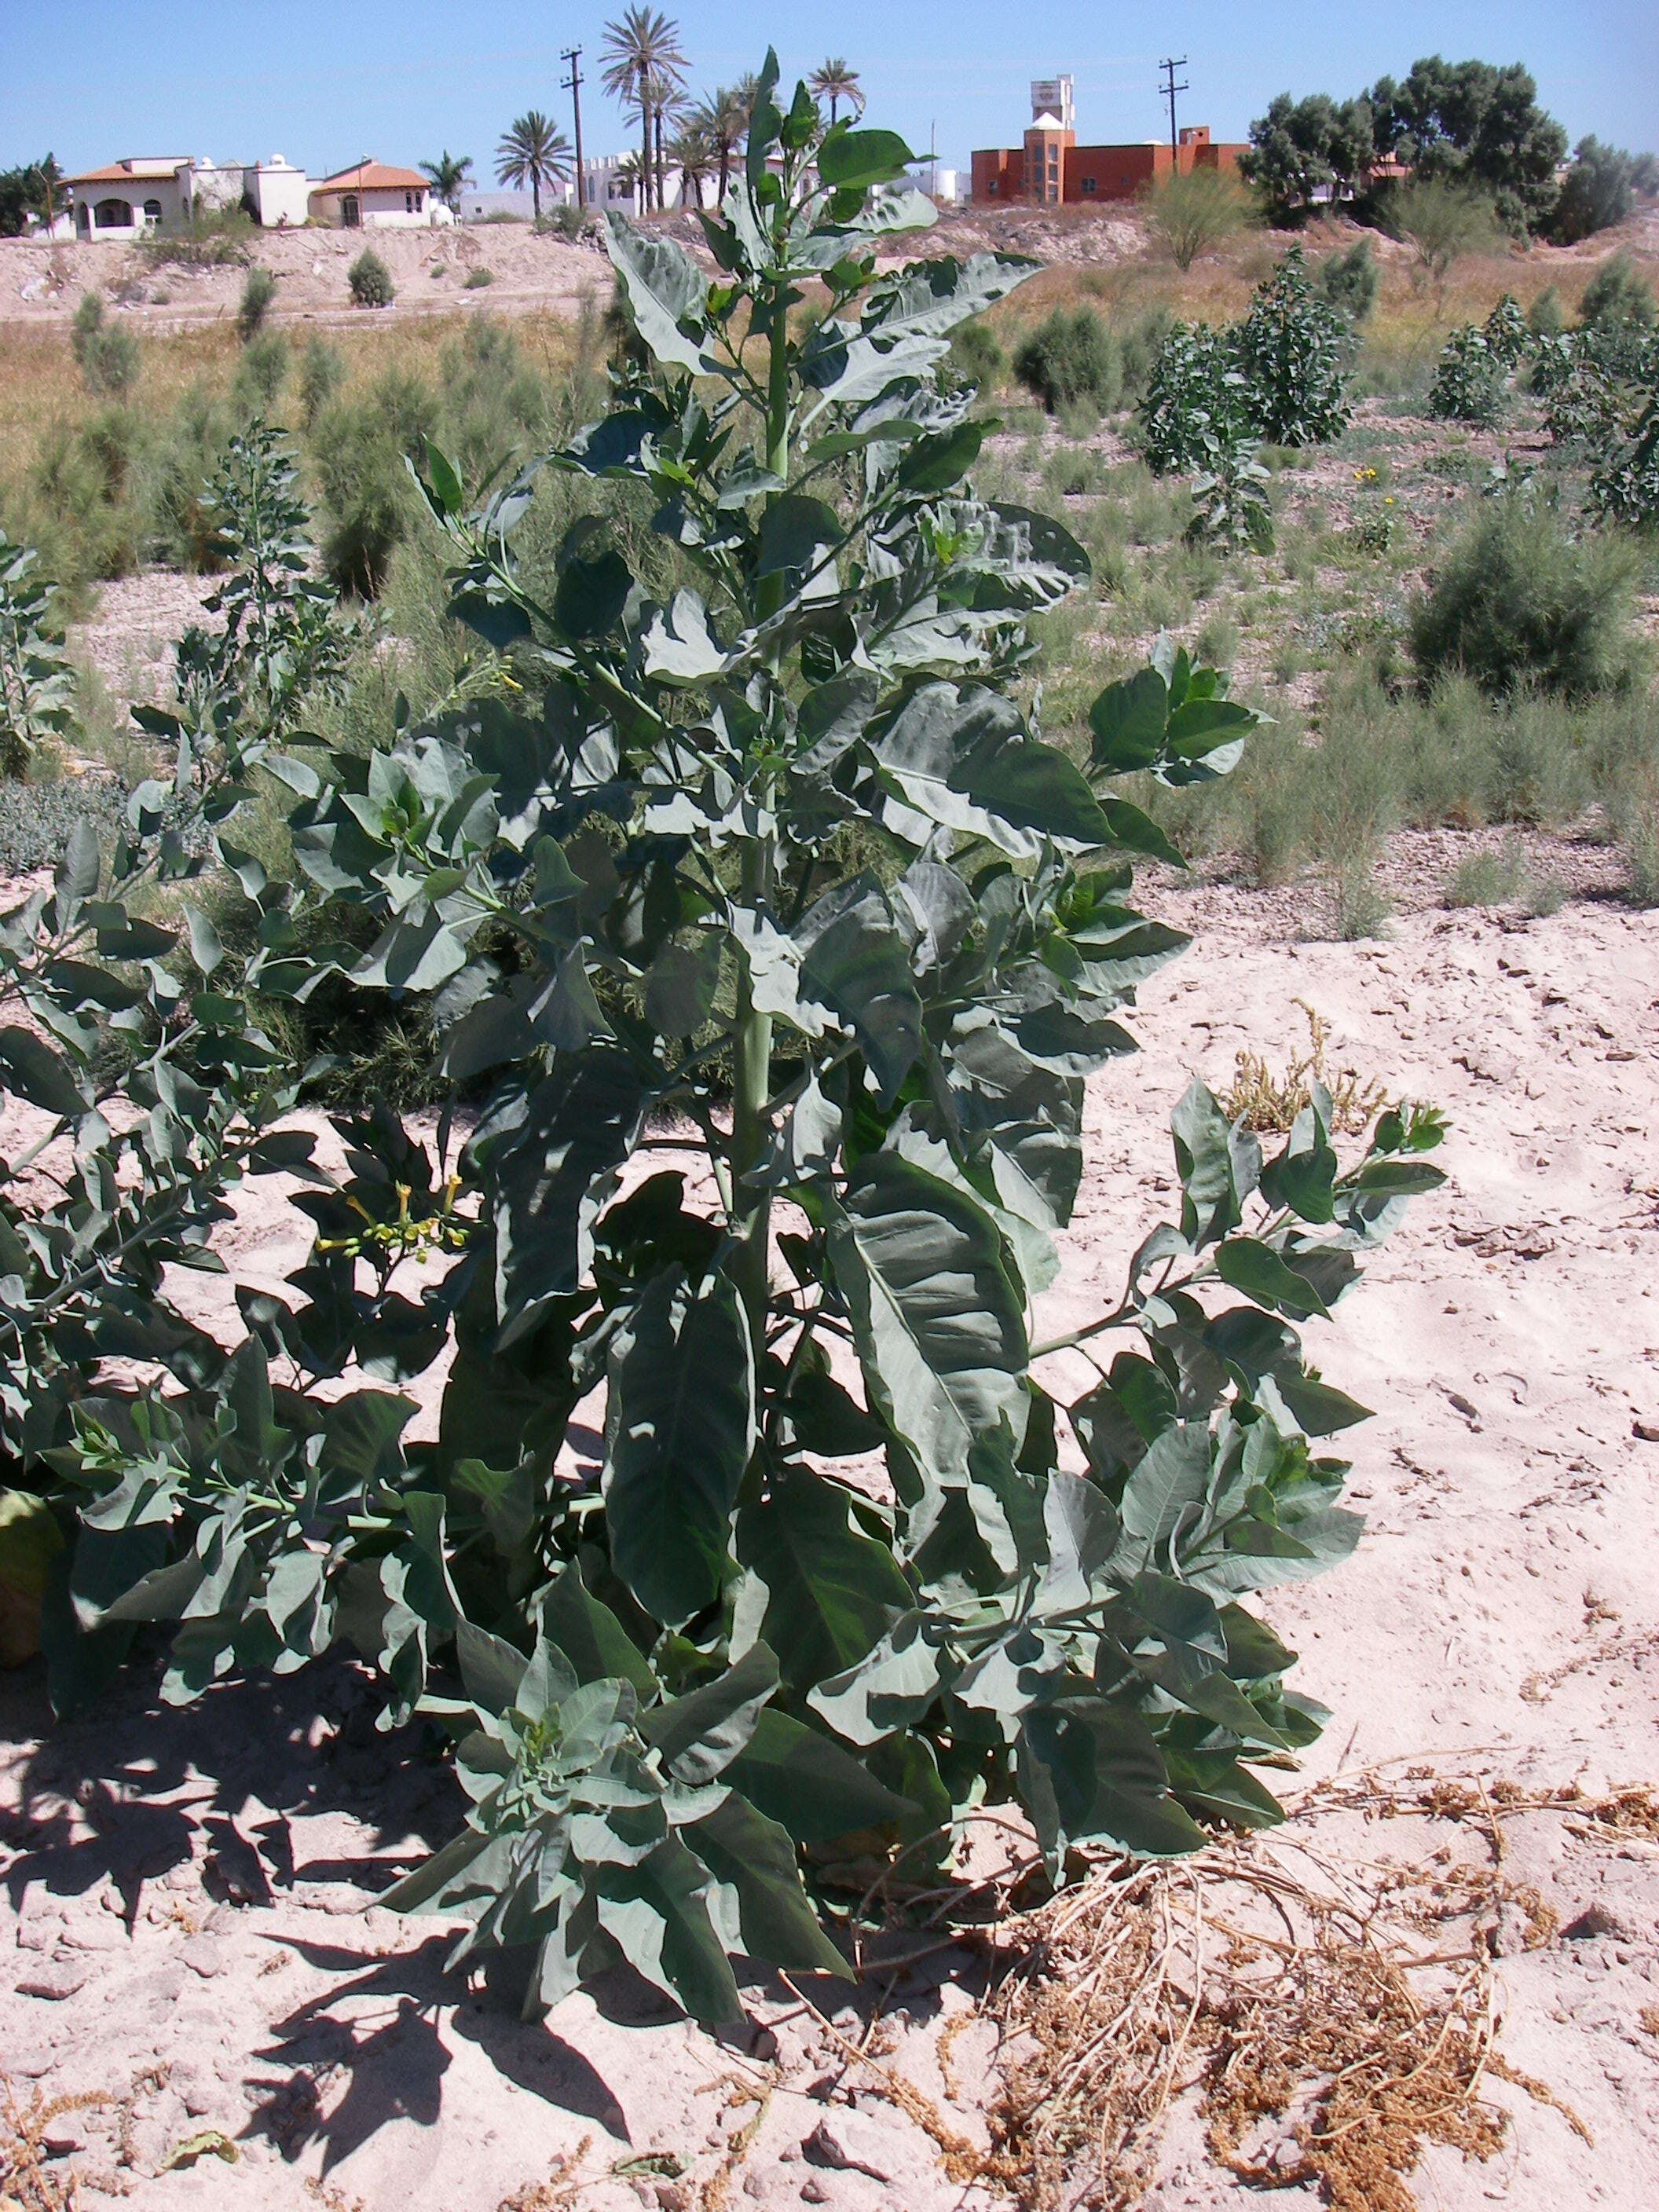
x=370, y=281
x=38, y=820
x=1544, y=318
x=477, y=278
x=262, y=371
x=106, y=354
x=1617, y=294
x=322, y=372
x=568, y=222
x=257, y=293
x=1625, y=488
x=1508, y=336
x=1468, y=380
x=976, y=356
x=1290, y=351
x=1231, y=507
x=37, y=690
x=1348, y=282
x=1193, y=214
x=1070, y=358
x=898, y=1055
x=360, y=450
x=1517, y=602
x=1193, y=384
x=1600, y=190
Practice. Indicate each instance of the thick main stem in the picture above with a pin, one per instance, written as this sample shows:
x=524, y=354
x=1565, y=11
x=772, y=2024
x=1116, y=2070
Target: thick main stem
x=752, y=1209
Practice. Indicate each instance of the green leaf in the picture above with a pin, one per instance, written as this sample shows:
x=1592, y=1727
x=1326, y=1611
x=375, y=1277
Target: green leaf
x=699, y=1735
x=443, y=479
x=1168, y=1487
x=39, y=1071
x=1205, y=1161
x=963, y=758
x=890, y=1688
x=591, y=1636
x=1128, y=721
x=766, y=1913
x=854, y=964
x=657, y=1913
x=1092, y=1774
x=851, y=161
x=822, y=1594
x=938, y=1325
x=679, y=1428
x=810, y=1785
x=1249, y=1266
x=933, y=464
x=666, y=290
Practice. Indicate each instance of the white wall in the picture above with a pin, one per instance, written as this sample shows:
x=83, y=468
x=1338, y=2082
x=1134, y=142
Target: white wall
x=380, y=210
x=167, y=197
x=280, y=192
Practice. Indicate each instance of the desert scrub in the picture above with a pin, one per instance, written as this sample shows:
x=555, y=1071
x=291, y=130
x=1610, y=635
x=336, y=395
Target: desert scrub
x=1070, y=360
x=976, y=356
x=105, y=353
x=475, y=279
x=258, y=290
x=1517, y=601
x=370, y=281
x=1269, y=1103
x=37, y=819
x=637, y=877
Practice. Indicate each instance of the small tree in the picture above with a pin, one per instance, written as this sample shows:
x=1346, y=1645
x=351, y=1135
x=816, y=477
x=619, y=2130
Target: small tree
x=1194, y=213
x=258, y=290
x=1442, y=223
x=370, y=281
x=763, y=871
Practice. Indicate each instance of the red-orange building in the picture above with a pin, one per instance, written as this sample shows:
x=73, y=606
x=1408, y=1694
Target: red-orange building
x=1052, y=170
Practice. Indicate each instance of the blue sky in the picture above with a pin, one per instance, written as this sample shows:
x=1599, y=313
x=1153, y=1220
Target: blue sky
x=325, y=81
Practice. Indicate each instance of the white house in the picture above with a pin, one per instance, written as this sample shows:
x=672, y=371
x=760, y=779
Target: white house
x=165, y=191
x=372, y=196
x=128, y=197
x=496, y=207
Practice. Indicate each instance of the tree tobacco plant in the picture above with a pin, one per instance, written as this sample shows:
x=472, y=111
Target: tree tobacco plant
x=771, y=946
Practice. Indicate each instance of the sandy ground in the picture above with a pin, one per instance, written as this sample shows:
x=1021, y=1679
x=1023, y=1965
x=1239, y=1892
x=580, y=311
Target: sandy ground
x=182, y=1919
x=40, y=285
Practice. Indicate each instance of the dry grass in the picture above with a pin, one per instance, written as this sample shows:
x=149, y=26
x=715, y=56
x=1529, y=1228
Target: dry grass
x=1266, y=1102
x=1329, y=2021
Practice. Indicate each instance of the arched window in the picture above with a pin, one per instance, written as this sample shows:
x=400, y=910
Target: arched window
x=152, y=210
x=112, y=215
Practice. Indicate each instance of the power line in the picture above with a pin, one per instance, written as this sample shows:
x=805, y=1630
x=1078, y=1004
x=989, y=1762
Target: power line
x=1169, y=90
x=572, y=85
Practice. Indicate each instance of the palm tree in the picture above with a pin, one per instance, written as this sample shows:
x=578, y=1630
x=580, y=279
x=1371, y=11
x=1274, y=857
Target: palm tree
x=722, y=118
x=449, y=178
x=691, y=155
x=644, y=68
x=534, y=153
x=833, y=82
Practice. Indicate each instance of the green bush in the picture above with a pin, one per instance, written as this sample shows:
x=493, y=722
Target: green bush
x=667, y=1684
x=37, y=820
x=257, y=293
x=1348, y=282
x=322, y=372
x=976, y=356
x=106, y=354
x=1618, y=294
x=370, y=281
x=477, y=278
x=1070, y=359
x=359, y=448
x=1545, y=318
x=1290, y=350
x=262, y=372
x=1625, y=488
x=37, y=690
x=1468, y=380
x=1518, y=603
x=1194, y=384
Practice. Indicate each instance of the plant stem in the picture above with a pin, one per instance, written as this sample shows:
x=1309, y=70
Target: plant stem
x=751, y=1210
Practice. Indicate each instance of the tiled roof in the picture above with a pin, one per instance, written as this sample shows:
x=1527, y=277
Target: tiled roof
x=138, y=168
x=374, y=177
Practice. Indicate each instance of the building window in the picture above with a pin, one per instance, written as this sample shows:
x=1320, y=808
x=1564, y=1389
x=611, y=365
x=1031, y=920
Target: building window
x=113, y=215
x=152, y=210
x=1088, y=187
x=409, y=202
x=991, y=189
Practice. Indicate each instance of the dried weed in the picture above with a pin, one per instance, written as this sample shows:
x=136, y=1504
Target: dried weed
x=1270, y=1103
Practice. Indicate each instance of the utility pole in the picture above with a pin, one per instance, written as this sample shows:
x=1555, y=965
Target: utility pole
x=572, y=85
x=1169, y=90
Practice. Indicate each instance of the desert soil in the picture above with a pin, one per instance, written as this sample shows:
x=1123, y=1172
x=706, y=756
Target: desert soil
x=183, y=1915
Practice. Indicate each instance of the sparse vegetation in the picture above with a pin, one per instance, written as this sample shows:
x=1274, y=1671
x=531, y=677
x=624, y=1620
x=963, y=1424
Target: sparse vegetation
x=1191, y=214
x=105, y=353
x=257, y=293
